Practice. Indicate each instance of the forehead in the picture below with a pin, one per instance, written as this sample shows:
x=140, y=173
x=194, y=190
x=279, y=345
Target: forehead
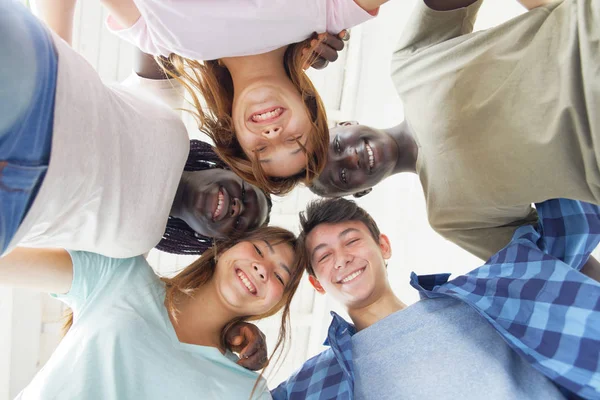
x=331, y=234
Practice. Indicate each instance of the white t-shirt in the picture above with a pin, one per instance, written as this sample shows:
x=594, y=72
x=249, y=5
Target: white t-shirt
x=122, y=344
x=116, y=161
x=212, y=29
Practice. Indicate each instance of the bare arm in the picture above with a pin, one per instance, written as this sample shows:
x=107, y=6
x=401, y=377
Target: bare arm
x=447, y=5
x=125, y=12
x=370, y=5
x=57, y=15
x=592, y=268
x=145, y=65
x=45, y=270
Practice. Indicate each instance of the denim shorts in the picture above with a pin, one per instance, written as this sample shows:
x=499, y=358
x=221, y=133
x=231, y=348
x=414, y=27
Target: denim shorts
x=27, y=89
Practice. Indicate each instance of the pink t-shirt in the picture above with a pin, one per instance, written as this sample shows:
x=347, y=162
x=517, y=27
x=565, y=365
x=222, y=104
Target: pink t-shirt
x=212, y=29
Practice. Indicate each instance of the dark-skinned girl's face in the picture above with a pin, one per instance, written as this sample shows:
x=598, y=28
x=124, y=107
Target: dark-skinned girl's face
x=217, y=203
x=359, y=157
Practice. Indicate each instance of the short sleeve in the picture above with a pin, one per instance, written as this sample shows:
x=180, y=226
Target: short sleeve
x=137, y=34
x=344, y=14
x=427, y=27
x=485, y=242
x=91, y=273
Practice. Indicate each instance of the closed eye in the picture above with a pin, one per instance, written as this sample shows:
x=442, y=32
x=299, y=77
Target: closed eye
x=352, y=241
x=280, y=279
x=324, y=257
x=260, y=149
x=336, y=145
x=257, y=250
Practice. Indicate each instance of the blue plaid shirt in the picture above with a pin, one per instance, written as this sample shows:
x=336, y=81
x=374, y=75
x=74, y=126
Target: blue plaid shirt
x=531, y=292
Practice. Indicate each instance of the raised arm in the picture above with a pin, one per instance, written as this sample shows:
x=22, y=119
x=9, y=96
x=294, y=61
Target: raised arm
x=370, y=5
x=57, y=15
x=45, y=270
x=124, y=12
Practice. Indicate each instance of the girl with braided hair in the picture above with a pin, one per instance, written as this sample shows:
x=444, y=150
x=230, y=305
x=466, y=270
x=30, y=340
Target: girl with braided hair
x=99, y=167
x=179, y=237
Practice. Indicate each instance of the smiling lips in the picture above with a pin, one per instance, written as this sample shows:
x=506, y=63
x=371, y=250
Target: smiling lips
x=267, y=116
x=352, y=276
x=246, y=282
x=370, y=153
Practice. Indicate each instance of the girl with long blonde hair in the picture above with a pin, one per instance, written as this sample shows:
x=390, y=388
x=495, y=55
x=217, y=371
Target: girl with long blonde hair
x=261, y=109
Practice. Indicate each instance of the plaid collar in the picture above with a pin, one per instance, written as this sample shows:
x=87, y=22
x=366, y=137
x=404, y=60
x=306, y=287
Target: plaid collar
x=531, y=292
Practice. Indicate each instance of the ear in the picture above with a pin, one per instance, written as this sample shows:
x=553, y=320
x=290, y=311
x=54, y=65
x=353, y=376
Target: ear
x=385, y=246
x=315, y=283
x=362, y=193
x=347, y=123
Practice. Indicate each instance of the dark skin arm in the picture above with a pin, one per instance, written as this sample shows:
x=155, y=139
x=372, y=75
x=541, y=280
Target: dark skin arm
x=447, y=5
x=591, y=268
x=145, y=66
x=250, y=344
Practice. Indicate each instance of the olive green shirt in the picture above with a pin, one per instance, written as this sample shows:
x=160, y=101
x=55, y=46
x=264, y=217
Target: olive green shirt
x=504, y=117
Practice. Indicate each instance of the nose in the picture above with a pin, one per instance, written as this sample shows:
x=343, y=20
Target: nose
x=350, y=158
x=260, y=271
x=343, y=260
x=237, y=208
x=272, y=132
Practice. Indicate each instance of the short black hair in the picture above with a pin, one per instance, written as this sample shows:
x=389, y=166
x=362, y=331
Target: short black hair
x=331, y=211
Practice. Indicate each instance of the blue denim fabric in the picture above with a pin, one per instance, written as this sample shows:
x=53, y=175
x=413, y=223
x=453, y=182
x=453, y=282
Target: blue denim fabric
x=27, y=88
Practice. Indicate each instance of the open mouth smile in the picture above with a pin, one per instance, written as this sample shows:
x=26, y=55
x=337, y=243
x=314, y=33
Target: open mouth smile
x=246, y=282
x=267, y=116
x=370, y=154
x=221, y=208
x=352, y=276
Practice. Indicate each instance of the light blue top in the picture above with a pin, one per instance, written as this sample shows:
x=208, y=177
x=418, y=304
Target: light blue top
x=123, y=346
x=441, y=349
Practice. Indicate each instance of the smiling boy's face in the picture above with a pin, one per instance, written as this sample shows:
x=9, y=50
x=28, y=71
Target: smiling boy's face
x=348, y=263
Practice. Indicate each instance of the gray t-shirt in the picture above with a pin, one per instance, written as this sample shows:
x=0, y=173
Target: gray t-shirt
x=442, y=349
x=504, y=117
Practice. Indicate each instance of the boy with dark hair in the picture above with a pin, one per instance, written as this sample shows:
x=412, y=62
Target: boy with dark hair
x=526, y=325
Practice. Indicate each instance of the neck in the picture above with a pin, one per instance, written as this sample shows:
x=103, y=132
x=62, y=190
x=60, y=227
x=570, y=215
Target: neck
x=179, y=195
x=201, y=318
x=246, y=70
x=408, y=150
x=385, y=305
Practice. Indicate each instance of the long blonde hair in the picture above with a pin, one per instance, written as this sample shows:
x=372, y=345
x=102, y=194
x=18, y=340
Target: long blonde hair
x=213, y=82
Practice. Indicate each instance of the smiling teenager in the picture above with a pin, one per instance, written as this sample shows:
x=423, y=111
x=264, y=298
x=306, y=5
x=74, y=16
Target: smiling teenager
x=136, y=335
x=258, y=105
x=495, y=120
x=112, y=190
x=503, y=331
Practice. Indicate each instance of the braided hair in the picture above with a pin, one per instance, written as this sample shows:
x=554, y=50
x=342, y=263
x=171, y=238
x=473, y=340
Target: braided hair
x=179, y=238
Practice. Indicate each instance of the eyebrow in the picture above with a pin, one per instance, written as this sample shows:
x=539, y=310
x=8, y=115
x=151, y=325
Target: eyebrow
x=272, y=251
x=341, y=235
x=298, y=150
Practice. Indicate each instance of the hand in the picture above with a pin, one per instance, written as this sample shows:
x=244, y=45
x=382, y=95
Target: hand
x=250, y=344
x=325, y=47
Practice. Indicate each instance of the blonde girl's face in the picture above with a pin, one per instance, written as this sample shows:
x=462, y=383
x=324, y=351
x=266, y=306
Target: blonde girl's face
x=270, y=121
x=251, y=277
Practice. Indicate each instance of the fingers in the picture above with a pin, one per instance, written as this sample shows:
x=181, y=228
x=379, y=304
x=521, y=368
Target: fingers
x=235, y=338
x=344, y=35
x=254, y=355
x=335, y=42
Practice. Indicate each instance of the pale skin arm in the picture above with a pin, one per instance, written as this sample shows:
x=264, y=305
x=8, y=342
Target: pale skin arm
x=57, y=15
x=370, y=5
x=125, y=12
x=44, y=270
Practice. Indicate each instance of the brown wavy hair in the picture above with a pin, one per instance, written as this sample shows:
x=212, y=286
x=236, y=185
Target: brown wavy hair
x=212, y=80
x=185, y=283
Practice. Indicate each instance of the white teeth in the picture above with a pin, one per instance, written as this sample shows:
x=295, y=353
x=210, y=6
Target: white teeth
x=267, y=115
x=352, y=276
x=370, y=153
x=246, y=282
x=219, y=205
